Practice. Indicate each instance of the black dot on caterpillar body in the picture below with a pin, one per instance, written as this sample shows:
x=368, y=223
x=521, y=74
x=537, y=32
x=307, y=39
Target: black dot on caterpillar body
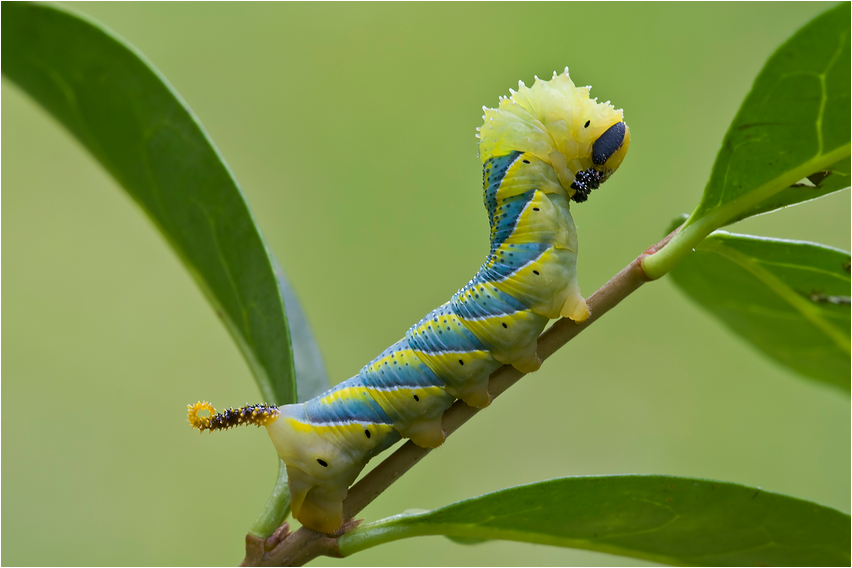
x=322, y=462
x=367, y=433
x=417, y=398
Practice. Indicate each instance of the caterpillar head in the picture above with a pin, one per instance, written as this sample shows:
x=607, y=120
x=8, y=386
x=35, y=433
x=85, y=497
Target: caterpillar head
x=584, y=141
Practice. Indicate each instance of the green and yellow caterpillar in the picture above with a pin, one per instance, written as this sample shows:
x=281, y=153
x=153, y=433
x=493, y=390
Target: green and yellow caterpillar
x=541, y=148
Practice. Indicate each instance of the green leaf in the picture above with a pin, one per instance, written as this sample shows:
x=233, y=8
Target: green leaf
x=467, y=540
x=793, y=125
x=128, y=116
x=790, y=299
x=311, y=374
x=827, y=180
x=673, y=520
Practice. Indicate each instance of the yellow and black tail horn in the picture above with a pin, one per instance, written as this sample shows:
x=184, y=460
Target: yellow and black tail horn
x=257, y=414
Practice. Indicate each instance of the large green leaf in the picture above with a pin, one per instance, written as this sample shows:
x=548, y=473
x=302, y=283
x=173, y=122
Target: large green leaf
x=827, y=180
x=119, y=106
x=793, y=123
x=673, y=520
x=311, y=374
x=789, y=142
x=788, y=298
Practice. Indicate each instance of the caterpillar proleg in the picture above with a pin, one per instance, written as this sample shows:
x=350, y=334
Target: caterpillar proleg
x=541, y=148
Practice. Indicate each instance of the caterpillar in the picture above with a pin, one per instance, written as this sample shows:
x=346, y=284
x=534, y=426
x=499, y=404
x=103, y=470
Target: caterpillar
x=541, y=148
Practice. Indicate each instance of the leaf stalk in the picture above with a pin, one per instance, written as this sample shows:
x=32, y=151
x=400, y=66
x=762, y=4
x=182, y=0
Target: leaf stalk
x=701, y=223
x=276, y=509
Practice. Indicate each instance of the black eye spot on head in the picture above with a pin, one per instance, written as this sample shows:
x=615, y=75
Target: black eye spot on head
x=588, y=122
x=608, y=143
x=322, y=462
x=367, y=433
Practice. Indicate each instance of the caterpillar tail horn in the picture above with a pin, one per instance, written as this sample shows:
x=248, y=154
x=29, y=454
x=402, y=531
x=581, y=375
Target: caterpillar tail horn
x=257, y=414
x=319, y=474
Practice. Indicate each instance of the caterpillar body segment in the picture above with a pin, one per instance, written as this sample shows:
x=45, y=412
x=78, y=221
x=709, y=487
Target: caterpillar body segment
x=326, y=442
x=454, y=355
x=540, y=148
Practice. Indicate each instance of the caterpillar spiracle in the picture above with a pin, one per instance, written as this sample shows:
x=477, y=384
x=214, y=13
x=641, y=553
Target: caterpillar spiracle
x=541, y=148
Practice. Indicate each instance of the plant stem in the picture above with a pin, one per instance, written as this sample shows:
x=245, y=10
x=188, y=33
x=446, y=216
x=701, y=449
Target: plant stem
x=702, y=222
x=304, y=545
x=276, y=509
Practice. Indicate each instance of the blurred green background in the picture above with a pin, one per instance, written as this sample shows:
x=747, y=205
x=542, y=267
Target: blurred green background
x=351, y=130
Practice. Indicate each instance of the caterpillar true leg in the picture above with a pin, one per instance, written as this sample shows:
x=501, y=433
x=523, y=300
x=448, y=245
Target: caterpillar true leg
x=540, y=148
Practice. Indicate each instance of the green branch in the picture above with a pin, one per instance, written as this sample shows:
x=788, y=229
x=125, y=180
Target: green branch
x=699, y=225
